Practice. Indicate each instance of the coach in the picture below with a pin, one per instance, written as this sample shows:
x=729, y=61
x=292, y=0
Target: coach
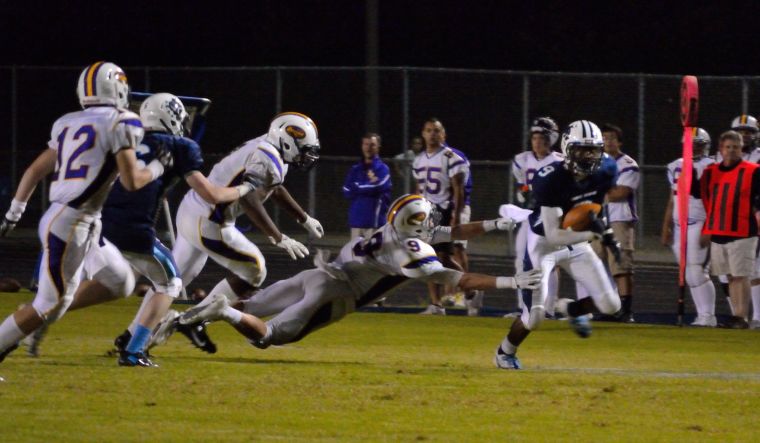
x=730, y=191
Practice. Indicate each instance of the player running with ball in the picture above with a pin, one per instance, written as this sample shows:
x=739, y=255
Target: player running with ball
x=583, y=177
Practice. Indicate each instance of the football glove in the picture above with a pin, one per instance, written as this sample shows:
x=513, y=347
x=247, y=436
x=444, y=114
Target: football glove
x=604, y=233
x=294, y=248
x=501, y=224
x=12, y=217
x=313, y=226
x=250, y=183
x=523, y=280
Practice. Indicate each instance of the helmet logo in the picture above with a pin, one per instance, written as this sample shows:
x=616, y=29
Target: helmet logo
x=295, y=132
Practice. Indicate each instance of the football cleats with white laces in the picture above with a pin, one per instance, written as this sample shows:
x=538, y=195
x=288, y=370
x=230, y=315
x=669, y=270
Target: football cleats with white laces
x=164, y=112
x=583, y=146
x=103, y=83
x=296, y=137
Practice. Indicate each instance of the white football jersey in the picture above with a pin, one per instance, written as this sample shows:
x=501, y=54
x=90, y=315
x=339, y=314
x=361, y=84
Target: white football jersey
x=256, y=157
x=86, y=143
x=526, y=164
x=628, y=175
x=384, y=254
x=696, y=207
x=752, y=156
x=433, y=173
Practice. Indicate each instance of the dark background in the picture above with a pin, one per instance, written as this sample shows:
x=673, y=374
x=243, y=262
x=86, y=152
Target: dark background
x=663, y=37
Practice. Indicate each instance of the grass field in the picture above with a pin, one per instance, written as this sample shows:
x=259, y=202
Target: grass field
x=386, y=377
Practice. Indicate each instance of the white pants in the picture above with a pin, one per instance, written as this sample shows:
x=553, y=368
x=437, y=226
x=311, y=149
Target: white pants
x=303, y=303
x=199, y=238
x=578, y=260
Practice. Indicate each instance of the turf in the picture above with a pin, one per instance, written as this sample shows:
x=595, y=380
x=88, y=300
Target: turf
x=386, y=377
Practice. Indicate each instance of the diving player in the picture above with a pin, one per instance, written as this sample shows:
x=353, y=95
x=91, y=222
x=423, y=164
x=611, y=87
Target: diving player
x=585, y=175
x=364, y=271
x=86, y=151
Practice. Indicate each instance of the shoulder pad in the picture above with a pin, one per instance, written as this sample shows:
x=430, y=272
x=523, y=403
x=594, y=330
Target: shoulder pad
x=127, y=114
x=448, y=153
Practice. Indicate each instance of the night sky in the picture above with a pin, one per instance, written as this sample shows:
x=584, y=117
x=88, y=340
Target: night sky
x=527, y=35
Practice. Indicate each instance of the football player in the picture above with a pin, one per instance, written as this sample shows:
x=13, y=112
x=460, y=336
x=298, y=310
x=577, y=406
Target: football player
x=364, y=271
x=584, y=176
x=544, y=134
x=208, y=230
x=86, y=151
x=129, y=223
x=698, y=248
x=746, y=125
x=441, y=175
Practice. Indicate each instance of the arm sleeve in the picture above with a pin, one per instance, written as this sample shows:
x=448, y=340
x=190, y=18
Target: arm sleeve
x=629, y=177
x=349, y=188
x=444, y=276
x=555, y=235
x=265, y=169
x=756, y=188
x=378, y=187
x=518, y=172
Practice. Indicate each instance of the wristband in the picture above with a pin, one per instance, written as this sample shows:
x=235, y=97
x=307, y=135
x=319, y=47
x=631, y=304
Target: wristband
x=505, y=283
x=244, y=189
x=156, y=169
x=16, y=210
x=489, y=225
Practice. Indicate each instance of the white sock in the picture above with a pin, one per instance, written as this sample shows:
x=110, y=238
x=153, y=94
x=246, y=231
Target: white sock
x=223, y=287
x=146, y=298
x=10, y=334
x=232, y=315
x=508, y=347
x=704, y=298
x=551, y=294
x=756, y=302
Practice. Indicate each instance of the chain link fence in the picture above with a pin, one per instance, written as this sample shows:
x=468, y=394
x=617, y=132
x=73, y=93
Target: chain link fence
x=486, y=114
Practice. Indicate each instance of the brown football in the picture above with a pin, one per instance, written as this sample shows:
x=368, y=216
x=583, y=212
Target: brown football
x=577, y=218
x=198, y=294
x=8, y=284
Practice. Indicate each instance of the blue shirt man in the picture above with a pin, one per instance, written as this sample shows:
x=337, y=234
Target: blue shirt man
x=368, y=187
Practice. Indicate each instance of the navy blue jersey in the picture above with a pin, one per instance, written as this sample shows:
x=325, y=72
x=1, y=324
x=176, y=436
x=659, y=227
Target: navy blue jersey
x=554, y=186
x=129, y=217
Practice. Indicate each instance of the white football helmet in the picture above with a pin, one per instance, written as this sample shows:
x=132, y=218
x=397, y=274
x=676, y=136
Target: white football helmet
x=546, y=126
x=164, y=112
x=582, y=145
x=746, y=125
x=103, y=83
x=701, y=143
x=412, y=216
x=297, y=138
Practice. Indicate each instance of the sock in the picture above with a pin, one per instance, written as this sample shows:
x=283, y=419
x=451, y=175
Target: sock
x=10, y=334
x=756, y=302
x=139, y=340
x=580, y=307
x=232, y=315
x=223, y=287
x=551, y=293
x=625, y=303
x=146, y=298
x=507, y=347
x=704, y=298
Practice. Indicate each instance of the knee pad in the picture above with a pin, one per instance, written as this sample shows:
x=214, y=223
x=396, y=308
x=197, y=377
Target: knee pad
x=52, y=309
x=171, y=288
x=695, y=276
x=608, y=303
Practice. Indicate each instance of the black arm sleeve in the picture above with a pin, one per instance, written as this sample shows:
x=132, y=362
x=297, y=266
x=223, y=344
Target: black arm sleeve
x=756, y=188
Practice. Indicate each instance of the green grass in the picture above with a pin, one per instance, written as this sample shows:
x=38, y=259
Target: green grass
x=384, y=377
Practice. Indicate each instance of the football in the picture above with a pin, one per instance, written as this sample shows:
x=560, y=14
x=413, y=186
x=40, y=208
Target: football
x=8, y=284
x=577, y=219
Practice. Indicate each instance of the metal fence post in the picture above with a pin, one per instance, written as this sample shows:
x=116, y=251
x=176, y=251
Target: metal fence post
x=525, y=110
x=745, y=96
x=277, y=110
x=14, y=130
x=405, y=127
x=642, y=161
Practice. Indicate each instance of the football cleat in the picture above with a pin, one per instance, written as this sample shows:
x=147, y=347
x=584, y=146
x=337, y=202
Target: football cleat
x=754, y=324
x=164, y=329
x=506, y=361
x=197, y=334
x=139, y=359
x=706, y=320
x=433, y=310
x=33, y=340
x=122, y=341
x=205, y=311
x=581, y=325
x=8, y=351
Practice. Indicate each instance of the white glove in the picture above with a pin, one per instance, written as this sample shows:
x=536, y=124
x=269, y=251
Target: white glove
x=523, y=280
x=294, y=248
x=501, y=224
x=12, y=217
x=313, y=226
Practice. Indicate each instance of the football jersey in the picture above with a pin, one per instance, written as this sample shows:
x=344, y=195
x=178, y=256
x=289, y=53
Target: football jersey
x=257, y=158
x=752, y=156
x=526, y=164
x=433, y=173
x=86, y=143
x=696, y=207
x=628, y=175
x=138, y=210
x=376, y=265
x=555, y=186
x=468, y=177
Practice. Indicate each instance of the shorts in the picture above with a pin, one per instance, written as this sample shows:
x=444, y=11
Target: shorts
x=735, y=258
x=464, y=218
x=448, y=247
x=625, y=233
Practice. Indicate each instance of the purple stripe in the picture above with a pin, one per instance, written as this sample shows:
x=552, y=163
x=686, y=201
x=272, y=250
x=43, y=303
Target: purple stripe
x=630, y=168
x=132, y=122
x=102, y=179
x=418, y=169
x=419, y=263
x=274, y=160
x=517, y=164
x=222, y=249
x=457, y=163
x=95, y=79
x=56, y=249
x=217, y=215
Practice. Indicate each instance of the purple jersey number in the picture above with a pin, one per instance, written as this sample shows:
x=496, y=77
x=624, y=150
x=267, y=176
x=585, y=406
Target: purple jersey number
x=368, y=247
x=430, y=178
x=86, y=136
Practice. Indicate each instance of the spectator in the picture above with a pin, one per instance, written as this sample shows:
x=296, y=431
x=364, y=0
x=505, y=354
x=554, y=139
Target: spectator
x=729, y=190
x=368, y=187
x=402, y=163
x=622, y=217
